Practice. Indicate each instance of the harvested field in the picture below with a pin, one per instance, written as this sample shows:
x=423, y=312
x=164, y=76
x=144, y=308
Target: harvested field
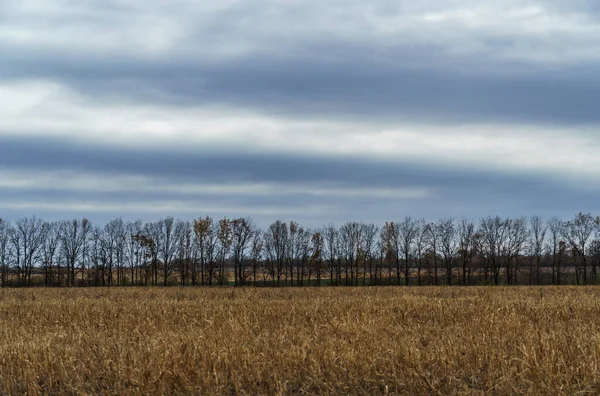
x=476, y=340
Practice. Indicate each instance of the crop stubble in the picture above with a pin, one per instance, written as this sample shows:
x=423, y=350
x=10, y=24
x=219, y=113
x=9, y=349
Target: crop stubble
x=476, y=340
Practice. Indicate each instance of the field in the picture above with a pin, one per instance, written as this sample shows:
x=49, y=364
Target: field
x=365, y=340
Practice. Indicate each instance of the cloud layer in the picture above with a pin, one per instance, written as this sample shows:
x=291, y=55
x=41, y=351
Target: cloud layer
x=314, y=111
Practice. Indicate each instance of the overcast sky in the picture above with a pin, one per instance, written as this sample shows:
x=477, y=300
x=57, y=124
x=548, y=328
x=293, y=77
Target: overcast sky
x=317, y=111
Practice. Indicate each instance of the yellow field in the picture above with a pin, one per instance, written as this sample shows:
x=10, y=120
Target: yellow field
x=280, y=341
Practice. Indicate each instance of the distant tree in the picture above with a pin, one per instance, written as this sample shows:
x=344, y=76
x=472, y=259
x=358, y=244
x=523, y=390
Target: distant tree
x=448, y=245
x=349, y=242
x=28, y=239
x=420, y=247
x=370, y=233
x=494, y=234
x=225, y=237
x=242, y=231
x=116, y=236
x=538, y=237
x=389, y=250
x=332, y=253
x=466, y=248
x=185, y=253
x=406, y=235
x=134, y=251
x=50, y=251
x=317, y=245
x=302, y=249
x=5, y=232
x=578, y=233
x=555, y=226
x=433, y=238
x=73, y=237
x=516, y=238
x=257, y=252
x=276, y=243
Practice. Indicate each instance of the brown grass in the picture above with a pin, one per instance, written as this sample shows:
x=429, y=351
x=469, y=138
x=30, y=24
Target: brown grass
x=281, y=341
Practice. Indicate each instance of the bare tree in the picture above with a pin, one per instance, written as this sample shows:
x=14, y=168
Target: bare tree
x=332, y=253
x=556, y=228
x=538, y=237
x=242, y=231
x=302, y=249
x=494, y=232
x=276, y=243
x=134, y=255
x=420, y=247
x=578, y=233
x=116, y=236
x=5, y=231
x=257, y=252
x=73, y=239
x=389, y=250
x=433, y=238
x=406, y=234
x=317, y=245
x=370, y=233
x=28, y=238
x=466, y=248
x=448, y=245
x=225, y=237
x=206, y=240
x=171, y=232
x=185, y=253
x=349, y=242
x=50, y=251
x=516, y=238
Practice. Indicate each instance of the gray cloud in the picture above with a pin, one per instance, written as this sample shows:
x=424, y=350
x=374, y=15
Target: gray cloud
x=457, y=192
x=423, y=75
x=343, y=85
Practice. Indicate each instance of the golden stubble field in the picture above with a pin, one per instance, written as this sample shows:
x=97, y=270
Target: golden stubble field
x=506, y=340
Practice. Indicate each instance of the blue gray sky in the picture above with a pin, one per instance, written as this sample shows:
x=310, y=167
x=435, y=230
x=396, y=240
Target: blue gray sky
x=317, y=111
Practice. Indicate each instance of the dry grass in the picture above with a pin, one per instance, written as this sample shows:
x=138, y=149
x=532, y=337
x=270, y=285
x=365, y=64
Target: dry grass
x=280, y=341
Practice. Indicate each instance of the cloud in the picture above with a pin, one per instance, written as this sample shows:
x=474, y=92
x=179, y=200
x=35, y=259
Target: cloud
x=38, y=110
x=531, y=30
x=331, y=110
x=460, y=61
x=57, y=179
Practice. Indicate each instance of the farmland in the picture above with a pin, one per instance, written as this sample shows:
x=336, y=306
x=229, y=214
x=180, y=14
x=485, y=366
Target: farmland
x=429, y=340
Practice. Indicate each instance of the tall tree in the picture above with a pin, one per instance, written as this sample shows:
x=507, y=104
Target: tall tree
x=349, y=242
x=494, y=232
x=466, y=247
x=556, y=228
x=225, y=237
x=206, y=239
x=578, y=233
x=242, y=230
x=433, y=242
x=332, y=253
x=73, y=238
x=30, y=234
x=170, y=233
x=5, y=231
x=50, y=251
x=370, y=233
x=448, y=245
x=538, y=238
x=389, y=250
x=406, y=236
x=318, y=244
x=276, y=242
x=134, y=256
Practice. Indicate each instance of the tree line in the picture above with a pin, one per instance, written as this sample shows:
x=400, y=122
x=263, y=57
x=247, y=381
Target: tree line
x=205, y=251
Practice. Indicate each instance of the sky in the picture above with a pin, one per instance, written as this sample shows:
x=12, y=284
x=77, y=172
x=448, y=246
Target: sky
x=314, y=111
